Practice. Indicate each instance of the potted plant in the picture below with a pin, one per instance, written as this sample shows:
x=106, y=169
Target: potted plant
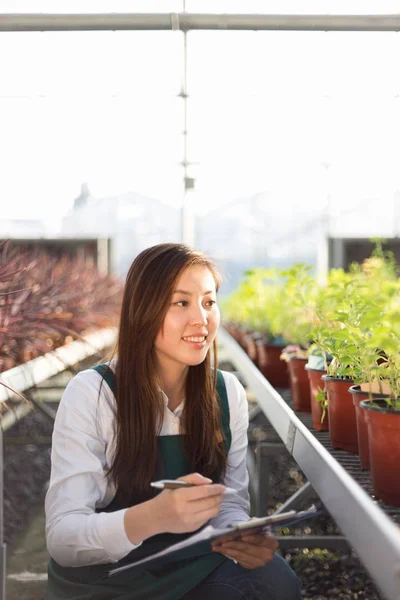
x=255, y=306
x=333, y=336
x=383, y=422
x=298, y=302
x=353, y=338
x=236, y=310
x=318, y=359
x=377, y=291
x=383, y=414
x=341, y=413
x=272, y=342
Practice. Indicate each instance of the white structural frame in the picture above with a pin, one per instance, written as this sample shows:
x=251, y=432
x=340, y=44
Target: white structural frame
x=185, y=22
x=189, y=21
x=368, y=529
x=34, y=372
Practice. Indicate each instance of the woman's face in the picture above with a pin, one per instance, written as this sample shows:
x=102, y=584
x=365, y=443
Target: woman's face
x=192, y=319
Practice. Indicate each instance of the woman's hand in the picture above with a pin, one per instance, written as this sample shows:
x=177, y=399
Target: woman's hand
x=251, y=551
x=186, y=509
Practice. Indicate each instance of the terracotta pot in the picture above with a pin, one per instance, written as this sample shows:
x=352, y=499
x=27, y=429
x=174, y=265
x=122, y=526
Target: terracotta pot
x=231, y=329
x=251, y=348
x=316, y=384
x=362, y=429
x=299, y=384
x=271, y=366
x=235, y=332
x=242, y=333
x=384, y=449
x=341, y=414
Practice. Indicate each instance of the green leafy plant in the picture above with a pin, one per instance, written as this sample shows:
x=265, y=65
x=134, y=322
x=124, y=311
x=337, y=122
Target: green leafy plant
x=354, y=318
x=322, y=398
x=298, y=304
x=357, y=321
x=256, y=303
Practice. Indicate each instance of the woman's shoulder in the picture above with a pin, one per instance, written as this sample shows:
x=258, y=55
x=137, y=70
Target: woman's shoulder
x=87, y=390
x=230, y=378
x=234, y=389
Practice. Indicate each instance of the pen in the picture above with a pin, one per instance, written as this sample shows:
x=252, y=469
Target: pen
x=174, y=484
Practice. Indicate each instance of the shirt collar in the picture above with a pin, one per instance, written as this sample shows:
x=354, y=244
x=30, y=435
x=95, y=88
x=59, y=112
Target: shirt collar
x=178, y=409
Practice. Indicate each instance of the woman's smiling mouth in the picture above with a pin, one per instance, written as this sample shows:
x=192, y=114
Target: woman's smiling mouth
x=198, y=341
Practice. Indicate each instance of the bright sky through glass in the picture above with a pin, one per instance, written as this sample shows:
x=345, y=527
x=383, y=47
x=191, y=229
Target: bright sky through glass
x=292, y=114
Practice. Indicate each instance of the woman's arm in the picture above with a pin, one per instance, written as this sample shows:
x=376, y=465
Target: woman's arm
x=236, y=507
x=76, y=534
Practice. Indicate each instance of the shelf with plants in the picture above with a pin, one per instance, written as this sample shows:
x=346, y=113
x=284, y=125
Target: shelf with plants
x=54, y=312
x=354, y=321
x=254, y=317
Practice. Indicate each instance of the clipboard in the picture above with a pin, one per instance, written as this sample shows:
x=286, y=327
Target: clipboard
x=200, y=542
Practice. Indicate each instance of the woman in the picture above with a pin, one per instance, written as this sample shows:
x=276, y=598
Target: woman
x=156, y=410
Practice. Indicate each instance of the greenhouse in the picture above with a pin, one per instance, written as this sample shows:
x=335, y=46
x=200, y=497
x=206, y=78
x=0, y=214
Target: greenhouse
x=200, y=300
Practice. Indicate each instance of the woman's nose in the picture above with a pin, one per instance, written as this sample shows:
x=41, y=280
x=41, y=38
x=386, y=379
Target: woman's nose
x=199, y=316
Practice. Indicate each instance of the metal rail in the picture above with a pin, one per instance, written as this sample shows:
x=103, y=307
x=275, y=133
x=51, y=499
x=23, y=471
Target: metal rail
x=39, y=369
x=356, y=514
x=186, y=22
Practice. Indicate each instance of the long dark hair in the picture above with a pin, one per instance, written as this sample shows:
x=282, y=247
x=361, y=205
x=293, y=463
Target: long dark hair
x=139, y=405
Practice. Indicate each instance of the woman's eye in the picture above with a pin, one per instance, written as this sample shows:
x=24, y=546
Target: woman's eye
x=211, y=302
x=181, y=303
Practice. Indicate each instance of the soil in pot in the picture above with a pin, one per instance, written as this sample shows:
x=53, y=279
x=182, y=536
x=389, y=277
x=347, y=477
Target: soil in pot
x=316, y=384
x=341, y=414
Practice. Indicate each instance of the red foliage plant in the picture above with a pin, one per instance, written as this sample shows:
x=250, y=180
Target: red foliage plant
x=47, y=301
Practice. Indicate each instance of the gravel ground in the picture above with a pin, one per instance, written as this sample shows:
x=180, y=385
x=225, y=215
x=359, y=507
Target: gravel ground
x=325, y=575
x=26, y=472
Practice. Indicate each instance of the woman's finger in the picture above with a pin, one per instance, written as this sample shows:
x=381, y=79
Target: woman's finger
x=268, y=541
x=249, y=561
x=203, y=504
x=254, y=539
x=243, y=561
x=250, y=551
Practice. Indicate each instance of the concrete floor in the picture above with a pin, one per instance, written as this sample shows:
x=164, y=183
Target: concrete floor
x=27, y=562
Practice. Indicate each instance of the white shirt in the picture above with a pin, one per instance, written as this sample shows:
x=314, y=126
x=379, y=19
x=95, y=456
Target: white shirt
x=82, y=450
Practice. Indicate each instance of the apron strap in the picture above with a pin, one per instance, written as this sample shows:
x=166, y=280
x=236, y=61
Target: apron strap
x=109, y=376
x=225, y=413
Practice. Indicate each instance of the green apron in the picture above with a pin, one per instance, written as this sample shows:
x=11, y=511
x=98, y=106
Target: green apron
x=166, y=582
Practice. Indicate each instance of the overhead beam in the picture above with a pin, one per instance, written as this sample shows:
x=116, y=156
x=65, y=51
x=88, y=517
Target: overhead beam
x=187, y=21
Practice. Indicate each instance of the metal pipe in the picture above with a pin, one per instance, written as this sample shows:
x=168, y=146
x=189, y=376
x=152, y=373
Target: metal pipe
x=185, y=22
x=39, y=369
x=297, y=499
x=186, y=237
